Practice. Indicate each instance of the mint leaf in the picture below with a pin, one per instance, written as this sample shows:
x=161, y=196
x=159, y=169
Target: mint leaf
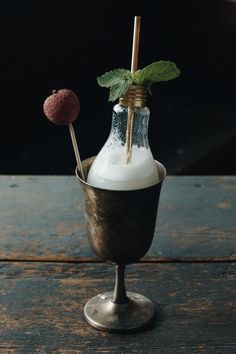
x=118, y=90
x=114, y=77
x=156, y=72
x=120, y=80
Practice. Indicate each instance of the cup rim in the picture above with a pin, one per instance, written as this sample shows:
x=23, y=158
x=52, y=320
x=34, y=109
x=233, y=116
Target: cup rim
x=159, y=166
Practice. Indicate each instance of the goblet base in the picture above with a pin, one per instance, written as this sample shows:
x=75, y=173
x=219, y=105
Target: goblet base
x=102, y=313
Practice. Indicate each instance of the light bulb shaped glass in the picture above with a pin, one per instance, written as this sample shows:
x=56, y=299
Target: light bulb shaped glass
x=110, y=169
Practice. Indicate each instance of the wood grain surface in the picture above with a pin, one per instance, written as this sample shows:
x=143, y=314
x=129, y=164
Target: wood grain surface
x=41, y=218
x=48, y=272
x=42, y=308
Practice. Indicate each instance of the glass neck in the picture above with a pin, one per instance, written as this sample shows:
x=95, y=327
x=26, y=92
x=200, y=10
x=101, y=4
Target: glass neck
x=140, y=125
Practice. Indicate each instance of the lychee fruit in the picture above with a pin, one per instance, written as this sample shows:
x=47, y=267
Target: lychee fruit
x=62, y=107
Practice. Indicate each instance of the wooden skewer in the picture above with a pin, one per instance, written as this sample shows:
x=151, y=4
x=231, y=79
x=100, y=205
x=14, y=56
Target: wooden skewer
x=134, y=66
x=76, y=150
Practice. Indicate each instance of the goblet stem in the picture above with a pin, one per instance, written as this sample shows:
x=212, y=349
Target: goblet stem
x=120, y=296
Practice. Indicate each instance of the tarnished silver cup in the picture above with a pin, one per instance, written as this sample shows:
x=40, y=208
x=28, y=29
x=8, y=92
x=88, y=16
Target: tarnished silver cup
x=121, y=227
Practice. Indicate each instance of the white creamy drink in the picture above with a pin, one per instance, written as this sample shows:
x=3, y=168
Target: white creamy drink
x=111, y=171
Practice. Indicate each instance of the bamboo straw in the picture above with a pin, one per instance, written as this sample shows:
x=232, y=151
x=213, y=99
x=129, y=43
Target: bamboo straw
x=135, y=49
x=134, y=66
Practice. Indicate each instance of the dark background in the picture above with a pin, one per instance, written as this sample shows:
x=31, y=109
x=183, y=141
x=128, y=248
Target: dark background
x=67, y=44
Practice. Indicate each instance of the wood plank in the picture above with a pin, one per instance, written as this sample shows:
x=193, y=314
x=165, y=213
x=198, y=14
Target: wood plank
x=196, y=218
x=41, y=308
x=41, y=218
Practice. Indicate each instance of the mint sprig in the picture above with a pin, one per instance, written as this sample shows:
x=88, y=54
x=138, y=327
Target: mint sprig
x=120, y=80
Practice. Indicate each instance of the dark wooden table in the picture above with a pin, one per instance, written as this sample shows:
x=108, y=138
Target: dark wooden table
x=48, y=271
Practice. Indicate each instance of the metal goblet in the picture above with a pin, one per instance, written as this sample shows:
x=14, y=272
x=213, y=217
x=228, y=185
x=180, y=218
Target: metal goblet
x=121, y=226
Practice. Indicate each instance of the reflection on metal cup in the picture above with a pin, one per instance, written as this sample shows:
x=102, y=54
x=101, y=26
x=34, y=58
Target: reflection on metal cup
x=121, y=224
